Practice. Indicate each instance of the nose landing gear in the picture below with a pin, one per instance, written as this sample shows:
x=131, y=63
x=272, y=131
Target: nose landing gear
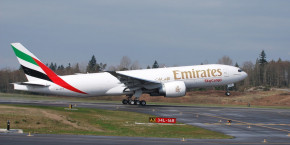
x=227, y=93
x=227, y=89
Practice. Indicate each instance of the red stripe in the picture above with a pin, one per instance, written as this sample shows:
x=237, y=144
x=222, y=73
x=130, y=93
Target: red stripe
x=56, y=79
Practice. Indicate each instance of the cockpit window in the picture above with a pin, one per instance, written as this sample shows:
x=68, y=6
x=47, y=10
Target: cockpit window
x=240, y=70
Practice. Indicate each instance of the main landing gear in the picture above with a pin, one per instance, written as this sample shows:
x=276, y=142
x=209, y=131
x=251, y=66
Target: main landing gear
x=136, y=101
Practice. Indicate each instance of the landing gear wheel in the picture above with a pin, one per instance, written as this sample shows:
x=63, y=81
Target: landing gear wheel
x=131, y=102
x=128, y=101
x=136, y=102
x=228, y=93
x=142, y=103
x=125, y=101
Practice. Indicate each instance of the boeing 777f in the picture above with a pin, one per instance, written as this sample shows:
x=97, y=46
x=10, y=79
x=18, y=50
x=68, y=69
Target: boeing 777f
x=167, y=82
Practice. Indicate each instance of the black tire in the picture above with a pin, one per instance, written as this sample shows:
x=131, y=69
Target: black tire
x=136, y=102
x=228, y=93
x=143, y=103
x=131, y=102
x=125, y=101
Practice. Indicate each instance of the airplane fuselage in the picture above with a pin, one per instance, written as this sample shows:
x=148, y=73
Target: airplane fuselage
x=104, y=83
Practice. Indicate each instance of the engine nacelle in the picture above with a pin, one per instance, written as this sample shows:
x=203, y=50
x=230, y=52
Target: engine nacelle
x=173, y=89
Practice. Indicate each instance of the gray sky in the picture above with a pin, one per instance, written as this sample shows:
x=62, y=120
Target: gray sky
x=177, y=32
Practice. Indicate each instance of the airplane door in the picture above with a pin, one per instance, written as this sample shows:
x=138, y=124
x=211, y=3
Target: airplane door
x=226, y=72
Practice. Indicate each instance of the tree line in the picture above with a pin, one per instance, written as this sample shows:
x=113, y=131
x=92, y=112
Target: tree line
x=261, y=73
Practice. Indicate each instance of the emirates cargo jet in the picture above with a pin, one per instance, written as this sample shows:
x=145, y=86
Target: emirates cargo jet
x=167, y=82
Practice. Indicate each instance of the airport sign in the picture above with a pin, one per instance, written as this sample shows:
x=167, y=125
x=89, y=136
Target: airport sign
x=161, y=120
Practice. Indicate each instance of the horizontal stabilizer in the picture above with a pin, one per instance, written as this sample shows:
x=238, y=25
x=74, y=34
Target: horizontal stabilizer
x=31, y=84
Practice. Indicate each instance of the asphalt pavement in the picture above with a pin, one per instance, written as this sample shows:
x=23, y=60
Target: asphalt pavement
x=248, y=125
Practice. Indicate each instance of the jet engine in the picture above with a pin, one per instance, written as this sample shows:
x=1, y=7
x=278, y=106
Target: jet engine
x=173, y=89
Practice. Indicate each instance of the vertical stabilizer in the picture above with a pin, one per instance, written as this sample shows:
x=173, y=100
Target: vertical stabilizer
x=35, y=70
x=27, y=61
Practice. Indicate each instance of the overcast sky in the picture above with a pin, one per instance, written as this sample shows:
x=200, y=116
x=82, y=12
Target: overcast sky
x=177, y=32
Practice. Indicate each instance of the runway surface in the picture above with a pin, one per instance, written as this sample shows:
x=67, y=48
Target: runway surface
x=249, y=125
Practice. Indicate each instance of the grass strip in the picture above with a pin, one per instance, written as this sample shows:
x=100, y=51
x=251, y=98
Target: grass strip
x=87, y=121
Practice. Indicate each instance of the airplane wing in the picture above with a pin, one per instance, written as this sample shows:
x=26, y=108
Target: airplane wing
x=134, y=83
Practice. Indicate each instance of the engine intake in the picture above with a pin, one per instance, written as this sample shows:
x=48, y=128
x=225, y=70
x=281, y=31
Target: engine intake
x=173, y=89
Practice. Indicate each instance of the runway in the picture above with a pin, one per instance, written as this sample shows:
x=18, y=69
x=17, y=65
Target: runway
x=249, y=125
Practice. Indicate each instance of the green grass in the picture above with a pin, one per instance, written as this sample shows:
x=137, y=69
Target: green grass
x=87, y=121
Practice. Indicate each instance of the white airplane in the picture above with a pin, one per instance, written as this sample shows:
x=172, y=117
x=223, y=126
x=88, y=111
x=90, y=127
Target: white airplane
x=167, y=82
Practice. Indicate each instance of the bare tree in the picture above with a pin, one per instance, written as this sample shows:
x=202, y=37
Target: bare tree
x=112, y=68
x=125, y=63
x=225, y=60
x=162, y=65
x=249, y=67
x=135, y=66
